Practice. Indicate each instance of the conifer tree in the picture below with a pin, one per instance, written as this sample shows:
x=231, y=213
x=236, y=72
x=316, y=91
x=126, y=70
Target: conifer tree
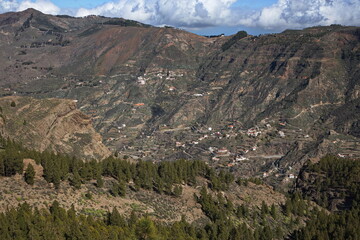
x=116, y=219
x=76, y=180
x=145, y=229
x=264, y=209
x=99, y=181
x=273, y=211
x=29, y=176
x=178, y=190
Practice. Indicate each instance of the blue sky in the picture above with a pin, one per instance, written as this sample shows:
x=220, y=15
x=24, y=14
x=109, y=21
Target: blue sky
x=207, y=16
x=78, y=3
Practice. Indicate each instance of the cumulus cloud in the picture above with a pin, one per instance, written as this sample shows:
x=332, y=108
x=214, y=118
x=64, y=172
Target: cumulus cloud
x=300, y=14
x=6, y=6
x=180, y=13
x=204, y=13
x=44, y=6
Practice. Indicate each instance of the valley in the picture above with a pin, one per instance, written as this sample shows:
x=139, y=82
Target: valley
x=114, y=129
x=154, y=93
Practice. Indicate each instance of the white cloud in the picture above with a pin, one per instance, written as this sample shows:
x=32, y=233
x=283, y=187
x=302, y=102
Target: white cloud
x=300, y=14
x=201, y=13
x=6, y=6
x=178, y=13
x=44, y=6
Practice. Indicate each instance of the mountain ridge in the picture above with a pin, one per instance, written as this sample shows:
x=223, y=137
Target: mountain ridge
x=149, y=88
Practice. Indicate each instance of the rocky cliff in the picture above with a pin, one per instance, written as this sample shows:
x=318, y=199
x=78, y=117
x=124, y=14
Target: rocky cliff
x=50, y=124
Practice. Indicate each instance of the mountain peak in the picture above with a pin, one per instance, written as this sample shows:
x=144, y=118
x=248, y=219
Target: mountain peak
x=32, y=11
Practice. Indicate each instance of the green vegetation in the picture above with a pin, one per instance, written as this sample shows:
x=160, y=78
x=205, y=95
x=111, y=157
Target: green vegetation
x=344, y=225
x=229, y=220
x=297, y=218
x=331, y=176
x=245, y=181
x=29, y=174
x=11, y=158
x=335, y=178
x=165, y=177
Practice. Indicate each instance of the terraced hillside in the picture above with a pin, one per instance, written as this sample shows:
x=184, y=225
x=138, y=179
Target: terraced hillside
x=163, y=93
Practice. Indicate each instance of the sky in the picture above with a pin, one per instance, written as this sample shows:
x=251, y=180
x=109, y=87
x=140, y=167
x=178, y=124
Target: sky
x=207, y=17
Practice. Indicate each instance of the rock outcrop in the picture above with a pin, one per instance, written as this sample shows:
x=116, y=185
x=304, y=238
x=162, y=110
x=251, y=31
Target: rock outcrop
x=51, y=124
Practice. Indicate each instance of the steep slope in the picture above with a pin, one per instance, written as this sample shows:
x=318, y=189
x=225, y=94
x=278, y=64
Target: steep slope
x=155, y=92
x=307, y=79
x=50, y=124
x=297, y=75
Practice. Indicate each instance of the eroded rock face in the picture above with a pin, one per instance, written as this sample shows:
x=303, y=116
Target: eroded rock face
x=51, y=124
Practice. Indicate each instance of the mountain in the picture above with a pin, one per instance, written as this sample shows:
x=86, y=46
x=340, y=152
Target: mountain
x=164, y=93
x=52, y=125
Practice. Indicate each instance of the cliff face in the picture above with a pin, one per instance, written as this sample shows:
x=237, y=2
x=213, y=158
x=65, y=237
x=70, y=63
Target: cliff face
x=50, y=124
x=148, y=87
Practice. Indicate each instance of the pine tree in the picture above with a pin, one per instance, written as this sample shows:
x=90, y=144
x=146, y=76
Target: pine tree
x=273, y=211
x=99, y=181
x=116, y=219
x=2, y=167
x=56, y=179
x=118, y=189
x=76, y=180
x=29, y=174
x=178, y=190
x=264, y=209
x=145, y=229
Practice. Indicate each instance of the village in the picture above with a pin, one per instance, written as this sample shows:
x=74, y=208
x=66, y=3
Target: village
x=246, y=151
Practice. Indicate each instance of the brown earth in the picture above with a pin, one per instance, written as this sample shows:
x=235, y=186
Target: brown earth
x=50, y=124
x=15, y=191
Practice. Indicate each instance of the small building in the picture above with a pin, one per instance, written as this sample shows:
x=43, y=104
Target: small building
x=291, y=176
x=253, y=132
x=141, y=80
x=212, y=149
x=139, y=104
x=282, y=124
x=179, y=144
x=282, y=134
x=222, y=151
x=240, y=158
